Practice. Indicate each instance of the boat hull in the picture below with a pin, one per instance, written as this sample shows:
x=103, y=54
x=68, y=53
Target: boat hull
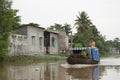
x=78, y=59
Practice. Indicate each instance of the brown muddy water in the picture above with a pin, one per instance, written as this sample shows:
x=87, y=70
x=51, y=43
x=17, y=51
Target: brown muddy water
x=107, y=69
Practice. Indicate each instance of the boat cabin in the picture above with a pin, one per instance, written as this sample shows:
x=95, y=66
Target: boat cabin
x=84, y=55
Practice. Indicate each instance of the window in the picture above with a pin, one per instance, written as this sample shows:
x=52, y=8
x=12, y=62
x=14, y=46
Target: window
x=70, y=40
x=20, y=38
x=40, y=41
x=14, y=36
x=33, y=40
x=53, y=42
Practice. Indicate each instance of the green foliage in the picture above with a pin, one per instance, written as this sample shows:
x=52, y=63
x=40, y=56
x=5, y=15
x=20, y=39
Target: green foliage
x=55, y=27
x=87, y=30
x=30, y=59
x=113, y=44
x=77, y=45
x=30, y=24
x=82, y=22
x=8, y=20
x=116, y=43
x=66, y=27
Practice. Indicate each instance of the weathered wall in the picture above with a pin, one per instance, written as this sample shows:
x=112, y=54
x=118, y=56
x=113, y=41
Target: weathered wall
x=22, y=30
x=18, y=45
x=35, y=48
x=54, y=44
x=63, y=41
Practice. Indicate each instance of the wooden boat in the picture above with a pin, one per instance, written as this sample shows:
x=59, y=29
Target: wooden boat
x=75, y=59
x=78, y=58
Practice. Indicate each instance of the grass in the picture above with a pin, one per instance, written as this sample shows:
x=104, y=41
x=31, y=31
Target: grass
x=52, y=57
x=31, y=59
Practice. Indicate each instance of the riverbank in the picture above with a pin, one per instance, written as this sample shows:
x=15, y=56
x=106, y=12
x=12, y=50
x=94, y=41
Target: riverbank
x=31, y=59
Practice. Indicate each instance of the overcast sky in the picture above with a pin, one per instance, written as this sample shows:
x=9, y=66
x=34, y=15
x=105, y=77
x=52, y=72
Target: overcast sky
x=105, y=14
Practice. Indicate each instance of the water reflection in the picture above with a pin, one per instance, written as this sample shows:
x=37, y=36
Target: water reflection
x=89, y=73
x=34, y=72
x=3, y=72
x=53, y=71
x=111, y=73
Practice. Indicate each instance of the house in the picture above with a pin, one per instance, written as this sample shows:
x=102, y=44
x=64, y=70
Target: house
x=51, y=42
x=30, y=40
x=31, y=44
x=55, y=41
x=114, y=51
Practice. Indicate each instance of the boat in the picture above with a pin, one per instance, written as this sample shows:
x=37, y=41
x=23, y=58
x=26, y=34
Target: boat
x=91, y=57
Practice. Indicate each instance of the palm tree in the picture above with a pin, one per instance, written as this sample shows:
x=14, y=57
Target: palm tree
x=82, y=22
x=94, y=30
x=67, y=28
x=55, y=27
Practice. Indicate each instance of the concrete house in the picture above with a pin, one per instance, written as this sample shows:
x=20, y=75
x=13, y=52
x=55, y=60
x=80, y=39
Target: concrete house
x=31, y=40
x=114, y=51
x=51, y=42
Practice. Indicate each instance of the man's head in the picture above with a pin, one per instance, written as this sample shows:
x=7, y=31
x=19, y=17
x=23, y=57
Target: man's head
x=92, y=40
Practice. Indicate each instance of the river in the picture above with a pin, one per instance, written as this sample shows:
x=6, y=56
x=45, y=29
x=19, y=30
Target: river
x=107, y=69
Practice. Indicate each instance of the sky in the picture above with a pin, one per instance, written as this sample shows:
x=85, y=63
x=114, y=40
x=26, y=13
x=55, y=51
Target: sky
x=105, y=14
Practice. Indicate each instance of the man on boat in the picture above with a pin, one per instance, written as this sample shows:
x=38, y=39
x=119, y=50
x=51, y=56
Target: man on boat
x=85, y=55
x=93, y=51
x=92, y=45
x=88, y=54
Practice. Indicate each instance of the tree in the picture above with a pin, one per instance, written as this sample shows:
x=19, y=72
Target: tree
x=113, y=44
x=30, y=24
x=66, y=27
x=8, y=20
x=87, y=30
x=82, y=22
x=55, y=27
x=116, y=43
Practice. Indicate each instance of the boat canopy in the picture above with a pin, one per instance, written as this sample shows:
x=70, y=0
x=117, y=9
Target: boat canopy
x=81, y=48
x=92, y=53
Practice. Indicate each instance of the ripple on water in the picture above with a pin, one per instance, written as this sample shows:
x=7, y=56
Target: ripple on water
x=103, y=62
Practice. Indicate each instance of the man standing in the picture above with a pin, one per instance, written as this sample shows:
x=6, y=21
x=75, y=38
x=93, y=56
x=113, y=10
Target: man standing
x=92, y=43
